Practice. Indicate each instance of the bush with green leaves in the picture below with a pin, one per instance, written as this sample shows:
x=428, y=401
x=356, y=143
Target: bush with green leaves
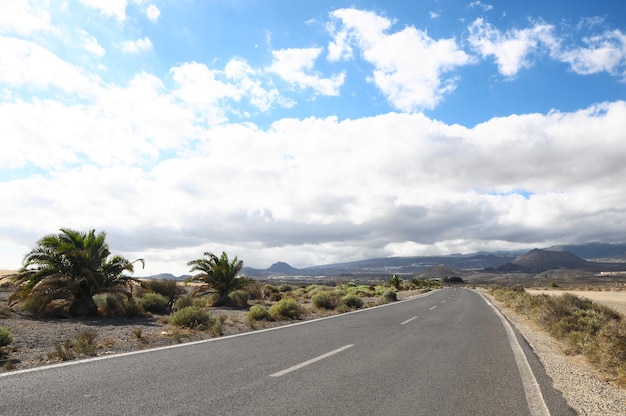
x=352, y=301
x=324, y=300
x=192, y=317
x=183, y=302
x=390, y=295
x=285, y=288
x=5, y=336
x=110, y=304
x=286, y=308
x=258, y=313
x=239, y=298
x=596, y=331
x=169, y=288
x=153, y=302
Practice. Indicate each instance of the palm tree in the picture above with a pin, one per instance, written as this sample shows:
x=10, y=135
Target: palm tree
x=219, y=275
x=72, y=266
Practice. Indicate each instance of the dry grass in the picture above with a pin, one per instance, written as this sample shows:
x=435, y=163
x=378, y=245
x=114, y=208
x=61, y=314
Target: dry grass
x=584, y=326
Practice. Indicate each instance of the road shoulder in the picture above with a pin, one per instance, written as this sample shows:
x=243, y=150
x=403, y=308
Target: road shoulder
x=582, y=387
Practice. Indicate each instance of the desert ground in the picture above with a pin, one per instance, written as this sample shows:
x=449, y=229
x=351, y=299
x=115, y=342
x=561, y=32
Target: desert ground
x=612, y=298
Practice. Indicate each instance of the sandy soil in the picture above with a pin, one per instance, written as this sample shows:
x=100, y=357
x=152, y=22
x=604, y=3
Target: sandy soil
x=613, y=299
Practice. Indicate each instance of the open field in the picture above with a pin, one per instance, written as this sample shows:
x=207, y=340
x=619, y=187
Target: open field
x=612, y=299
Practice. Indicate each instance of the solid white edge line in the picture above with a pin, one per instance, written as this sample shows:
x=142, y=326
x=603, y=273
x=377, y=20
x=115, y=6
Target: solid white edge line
x=534, y=397
x=203, y=341
x=311, y=361
x=408, y=320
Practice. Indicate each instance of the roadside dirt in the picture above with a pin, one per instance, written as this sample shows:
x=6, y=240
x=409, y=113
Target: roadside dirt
x=612, y=298
x=37, y=340
x=585, y=389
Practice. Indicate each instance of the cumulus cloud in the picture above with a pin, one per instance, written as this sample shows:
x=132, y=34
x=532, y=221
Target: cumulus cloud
x=24, y=17
x=26, y=64
x=153, y=12
x=485, y=7
x=290, y=188
x=296, y=66
x=137, y=46
x=409, y=66
x=513, y=50
x=91, y=44
x=604, y=52
x=109, y=8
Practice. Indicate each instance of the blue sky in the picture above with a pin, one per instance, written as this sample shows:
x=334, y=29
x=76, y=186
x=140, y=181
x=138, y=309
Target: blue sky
x=311, y=132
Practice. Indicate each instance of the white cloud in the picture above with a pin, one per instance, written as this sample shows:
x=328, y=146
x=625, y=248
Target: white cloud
x=485, y=7
x=137, y=46
x=120, y=125
x=26, y=64
x=605, y=52
x=512, y=50
x=24, y=17
x=409, y=66
x=153, y=12
x=91, y=44
x=109, y=8
x=296, y=66
x=201, y=90
x=290, y=193
x=248, y=80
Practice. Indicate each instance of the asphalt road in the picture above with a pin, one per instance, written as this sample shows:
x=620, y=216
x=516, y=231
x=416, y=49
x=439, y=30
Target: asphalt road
x=446, y=353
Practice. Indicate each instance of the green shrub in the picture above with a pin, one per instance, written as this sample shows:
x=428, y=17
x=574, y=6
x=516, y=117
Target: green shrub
x=390, y=295
x=131, y=309
x=352, y=301
x=324, y=300
x=596, y=331
x=239, y=298
x=192, y=317
x=268, y=290
x=258, y=313
x=183, y=302
x=166, y=287
x=5, y=336
x=285, y=308
x=275, y=297
x=285, y=288
x=395, y=281
x=109, y=304
x=153, y=302
x=82, y=344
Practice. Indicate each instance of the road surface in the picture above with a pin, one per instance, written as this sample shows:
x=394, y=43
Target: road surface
x=446, y=353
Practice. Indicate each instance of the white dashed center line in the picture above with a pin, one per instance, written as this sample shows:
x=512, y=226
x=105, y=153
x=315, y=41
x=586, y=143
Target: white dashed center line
x=408, y=320
x=311, y=361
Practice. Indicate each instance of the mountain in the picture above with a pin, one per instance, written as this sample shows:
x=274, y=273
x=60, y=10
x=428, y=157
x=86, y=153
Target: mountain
x=440, y=272
x=167, y=276
x=573, y=256
x=595, y=250
x=385, y=266
x=283, y=268
x=537, y=261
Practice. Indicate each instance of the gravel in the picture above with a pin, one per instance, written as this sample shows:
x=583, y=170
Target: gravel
x=584, y=389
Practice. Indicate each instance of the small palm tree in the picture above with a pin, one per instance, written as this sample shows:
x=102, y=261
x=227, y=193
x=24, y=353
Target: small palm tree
x=219, y=275
x=72, y=266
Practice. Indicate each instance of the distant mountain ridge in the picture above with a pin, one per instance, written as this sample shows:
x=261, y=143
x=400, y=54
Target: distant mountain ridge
x=538, y=261
x=573, y=256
